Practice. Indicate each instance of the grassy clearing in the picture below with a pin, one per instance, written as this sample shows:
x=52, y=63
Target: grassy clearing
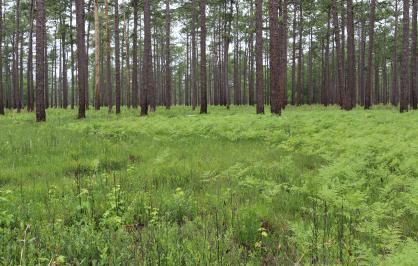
x=230, y=188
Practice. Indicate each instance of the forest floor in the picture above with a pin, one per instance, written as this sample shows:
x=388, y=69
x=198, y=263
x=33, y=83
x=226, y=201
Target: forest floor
x=317, y=185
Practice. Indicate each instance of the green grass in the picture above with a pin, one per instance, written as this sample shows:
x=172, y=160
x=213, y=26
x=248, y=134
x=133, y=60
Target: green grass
x=316, y=185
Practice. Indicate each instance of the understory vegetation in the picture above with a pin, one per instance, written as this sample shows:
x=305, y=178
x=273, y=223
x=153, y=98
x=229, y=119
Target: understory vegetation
x=315, y=186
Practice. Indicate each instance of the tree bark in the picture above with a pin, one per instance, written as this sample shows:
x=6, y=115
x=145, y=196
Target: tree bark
x=414, y=56
x=351, y=71
x=368, y=88
x=259, y=56
x=405, y=59
x=135, y=89
x=395, y=79
x=109, y=86
x=274, y=57
x=340, y=58
x=81, y=59
x=1, y=61
x=40, y=61
x=117, y=60
x=203, y=80
x=148, y=86
x=97, y=101
x=168, y=82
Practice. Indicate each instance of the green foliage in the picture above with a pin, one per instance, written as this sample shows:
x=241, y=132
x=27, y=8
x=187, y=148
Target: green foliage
x=317, y=185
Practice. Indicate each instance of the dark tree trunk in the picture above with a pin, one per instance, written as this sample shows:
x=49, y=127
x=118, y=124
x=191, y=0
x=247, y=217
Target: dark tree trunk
x=362, y=68
x=259, y=56
x=148, y=79
x=275, y=101
x=81, y=59
x=16, y=87
x=351, y=71
x=251, y=61
x=109, y=86
x=395, y=79
x=414, y=56
x=203, y=84
x=310, y=70
x=72, y=61
x=283, y=53
x=167, y=56
x=194, y=63
x=64, y=67
x=117, y=60
x=294, y=56
x=1, y=61
x=97, y=97
x=369, y=82
x=135, y=88
x=340, y=58
x=40, y=61
x=405, y=58
x=237, y=79
x=299, y=82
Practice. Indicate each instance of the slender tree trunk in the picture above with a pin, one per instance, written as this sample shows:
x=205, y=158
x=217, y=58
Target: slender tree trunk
x=414, y=55
x=362, y=62
x=194, y=64
x=237, y=79
x=340, y=58
x=299, y=82
x=40, y=61
x=203, y=82
x=368, y=88
x=275, y=101
x=283, y=54
x=81, y=59
x=108, y=59
x=117, y=59
x=1, y=61
x=351, y=71
x=135, y=88
x=395, y=87
x=310, y=70
x=97, y=55
x=72, y=60
x=405, y=59
x=259, y=56
x=148, y=79
x=167, y=56
x=16, y=87
x=64, y=67
x=294, y=56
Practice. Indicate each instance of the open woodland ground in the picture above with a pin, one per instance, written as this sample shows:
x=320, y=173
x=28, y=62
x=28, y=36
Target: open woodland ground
x=317, y=185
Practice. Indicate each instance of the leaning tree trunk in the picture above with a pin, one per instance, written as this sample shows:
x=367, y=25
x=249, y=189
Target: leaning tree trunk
x=117, y=59
x=259, y=56
x=368, y=88
x=405, y=58
x=81, y=59
x=40, y=61
x=203, y=84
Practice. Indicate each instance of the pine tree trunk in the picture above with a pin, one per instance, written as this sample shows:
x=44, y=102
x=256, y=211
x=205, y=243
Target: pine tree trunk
x=97, y=55
x=109, y=86
x=1, y=61
x=16, y=87
x=135, y=89
x=40, y=61
x=351, y=57
x=64, y=68
x=340, y=59
x=368, y=87
x=81, y=59
x=414, y=56
x=203, y=81
x=117, y=59
x=274, y=57
x=259, y=56
x=148, y=79
x=168, y=84
x=405, y=59
x=294, y=56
